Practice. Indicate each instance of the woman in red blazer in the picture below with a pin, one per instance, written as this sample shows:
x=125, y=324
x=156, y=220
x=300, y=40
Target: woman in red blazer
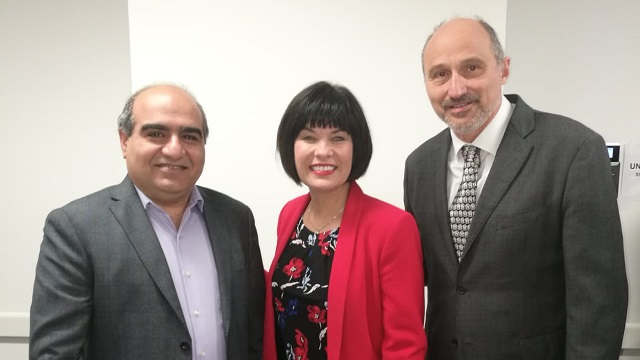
x=346, y=281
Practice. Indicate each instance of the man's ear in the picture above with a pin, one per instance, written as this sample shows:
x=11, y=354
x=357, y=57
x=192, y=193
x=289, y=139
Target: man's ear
x=124, y=140
x=505, y=69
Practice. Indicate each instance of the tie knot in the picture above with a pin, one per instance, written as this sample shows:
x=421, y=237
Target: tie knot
x=471, y=153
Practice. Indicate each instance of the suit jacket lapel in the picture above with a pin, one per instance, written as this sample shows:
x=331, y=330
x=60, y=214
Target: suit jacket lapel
x=128, y=210
x=511, y=156
x=217, y=229
x=286, y=223
x=339, y=278
x=439, y=161
x=435, y=195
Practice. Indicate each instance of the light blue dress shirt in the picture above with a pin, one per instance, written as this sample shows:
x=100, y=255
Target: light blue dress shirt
x=190, y=258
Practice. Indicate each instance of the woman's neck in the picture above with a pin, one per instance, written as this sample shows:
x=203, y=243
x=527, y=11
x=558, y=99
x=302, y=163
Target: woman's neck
x=325, y=203
x=324, y=211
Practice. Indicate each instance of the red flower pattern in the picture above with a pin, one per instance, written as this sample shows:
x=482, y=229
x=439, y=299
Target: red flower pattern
x=278, y=304
x=294, y=268
x=300, y=353
x=305, y=338
x=323, y=243
x=316, y=314
x=301, y=340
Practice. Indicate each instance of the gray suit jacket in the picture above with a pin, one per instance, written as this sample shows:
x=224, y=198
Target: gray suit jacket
x=103, y=289
x=542, y=275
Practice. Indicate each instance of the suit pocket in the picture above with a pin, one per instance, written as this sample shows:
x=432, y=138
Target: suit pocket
x=525, y=217
x=549, y=347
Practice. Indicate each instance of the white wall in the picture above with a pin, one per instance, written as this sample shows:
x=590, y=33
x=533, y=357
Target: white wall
x=64, y=76
x=579, y=58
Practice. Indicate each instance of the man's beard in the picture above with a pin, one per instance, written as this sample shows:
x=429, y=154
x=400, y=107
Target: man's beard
x=481, y=116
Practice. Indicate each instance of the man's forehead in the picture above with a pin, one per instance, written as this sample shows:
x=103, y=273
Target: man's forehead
x=166, y=97
x=464, y=45
x=165, y=101
x=168, y=119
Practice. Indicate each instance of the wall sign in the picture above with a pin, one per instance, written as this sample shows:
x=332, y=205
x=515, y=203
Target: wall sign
x=630, y=181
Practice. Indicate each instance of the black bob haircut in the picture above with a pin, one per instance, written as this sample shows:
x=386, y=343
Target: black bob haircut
x=325, y=105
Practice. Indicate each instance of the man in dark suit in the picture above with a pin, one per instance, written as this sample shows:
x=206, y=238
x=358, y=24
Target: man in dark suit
x=538, y=272
x=155, y=267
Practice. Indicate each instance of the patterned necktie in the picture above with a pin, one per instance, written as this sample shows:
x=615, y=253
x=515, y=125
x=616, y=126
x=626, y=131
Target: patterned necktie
x=464, y=204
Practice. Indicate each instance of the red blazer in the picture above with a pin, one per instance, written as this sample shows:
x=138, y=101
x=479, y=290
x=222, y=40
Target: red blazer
x=376, y=286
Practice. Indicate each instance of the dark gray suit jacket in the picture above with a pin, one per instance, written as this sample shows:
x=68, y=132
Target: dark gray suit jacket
x=103, y=289
x=542, y=275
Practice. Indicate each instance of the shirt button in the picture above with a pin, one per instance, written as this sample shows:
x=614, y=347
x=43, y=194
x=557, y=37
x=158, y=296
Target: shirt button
x=187, y=274
x=196, y=313
x=201, y=354
x=461, y=290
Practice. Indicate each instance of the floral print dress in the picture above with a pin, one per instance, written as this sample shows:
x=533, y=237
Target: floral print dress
x=300, y=286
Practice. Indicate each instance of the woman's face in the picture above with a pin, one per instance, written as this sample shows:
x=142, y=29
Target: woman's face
x=323, y=158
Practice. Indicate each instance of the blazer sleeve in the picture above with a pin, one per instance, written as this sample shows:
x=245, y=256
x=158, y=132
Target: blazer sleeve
x=401, y=285
x=596, y=283
x=62, y=293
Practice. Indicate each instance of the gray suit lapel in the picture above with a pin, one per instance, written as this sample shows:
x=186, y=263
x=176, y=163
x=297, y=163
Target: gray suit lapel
x=441, y=196
x=218, y=234
x=511, y=156
x=128, y=210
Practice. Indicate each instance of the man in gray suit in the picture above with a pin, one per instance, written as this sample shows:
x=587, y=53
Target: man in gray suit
x=538, y=273
x=155, y=267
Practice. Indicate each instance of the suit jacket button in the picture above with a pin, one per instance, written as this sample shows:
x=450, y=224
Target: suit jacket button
x=461, y=290
x=185, y=346
x=454, y=342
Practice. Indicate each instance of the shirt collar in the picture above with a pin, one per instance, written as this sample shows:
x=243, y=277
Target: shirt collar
x=490, y=138
x=194, y=199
